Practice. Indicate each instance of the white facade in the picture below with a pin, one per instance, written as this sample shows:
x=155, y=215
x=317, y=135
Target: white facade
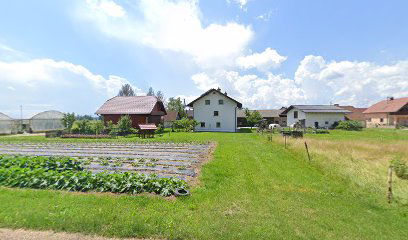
x=206, y=114
x=313, y=119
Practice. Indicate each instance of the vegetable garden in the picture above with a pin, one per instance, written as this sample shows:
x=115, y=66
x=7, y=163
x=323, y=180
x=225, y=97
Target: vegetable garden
x=103, y=167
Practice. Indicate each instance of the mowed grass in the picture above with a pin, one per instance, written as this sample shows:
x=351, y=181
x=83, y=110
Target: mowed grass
x=252, y=189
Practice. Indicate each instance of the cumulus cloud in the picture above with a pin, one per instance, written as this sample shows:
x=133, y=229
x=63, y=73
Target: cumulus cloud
x=316, y=82
x=253, y=91
x=64, y=85
x=346, y=82
x=173, y=26
x=263, y=61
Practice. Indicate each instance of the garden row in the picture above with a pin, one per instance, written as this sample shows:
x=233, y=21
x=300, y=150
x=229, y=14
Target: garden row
x=68, y=174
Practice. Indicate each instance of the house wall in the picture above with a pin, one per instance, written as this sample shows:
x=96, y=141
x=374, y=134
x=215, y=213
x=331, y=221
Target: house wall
x=136, y=119
x=311, y=118
x=205, y=113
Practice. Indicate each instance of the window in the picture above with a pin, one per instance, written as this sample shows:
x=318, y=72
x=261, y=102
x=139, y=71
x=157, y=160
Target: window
x=207, y=102
x=215, y=113
x=327, y=122
x=221, y=102
x=295, y=114
x=218, y=124
x=202, y=124
x=381, y=119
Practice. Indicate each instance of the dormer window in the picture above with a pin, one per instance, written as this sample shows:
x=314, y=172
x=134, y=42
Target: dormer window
x=221, y=102
x=207, y=102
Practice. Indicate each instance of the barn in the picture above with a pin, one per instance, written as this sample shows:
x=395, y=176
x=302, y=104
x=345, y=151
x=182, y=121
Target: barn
x=141, y=109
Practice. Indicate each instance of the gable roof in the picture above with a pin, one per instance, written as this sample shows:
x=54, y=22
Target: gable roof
x=264, y=113
x=355, y=113
x=130, y=105
x=239, y=105
x=388, y=106
x=316, y=109
x=171, y=116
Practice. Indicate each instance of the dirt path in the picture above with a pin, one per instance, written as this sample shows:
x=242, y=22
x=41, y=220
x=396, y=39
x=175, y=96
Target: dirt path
x=21, y=234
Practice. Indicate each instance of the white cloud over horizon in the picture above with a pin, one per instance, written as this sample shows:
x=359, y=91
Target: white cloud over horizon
x=315, y=82
x=47, y=82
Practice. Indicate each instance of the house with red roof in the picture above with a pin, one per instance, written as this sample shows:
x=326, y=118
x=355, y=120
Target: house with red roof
x=388, y=113
x=145, y=111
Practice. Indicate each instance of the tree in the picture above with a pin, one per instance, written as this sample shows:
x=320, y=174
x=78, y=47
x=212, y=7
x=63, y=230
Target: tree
x=252, y=117
x=126, y=91
x=68, y=120
x=151, y=92
x=175, y=104
x=160, y=95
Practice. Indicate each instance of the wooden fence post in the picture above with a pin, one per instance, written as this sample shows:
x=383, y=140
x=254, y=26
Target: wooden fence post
x=307, y=150
x=389, y=192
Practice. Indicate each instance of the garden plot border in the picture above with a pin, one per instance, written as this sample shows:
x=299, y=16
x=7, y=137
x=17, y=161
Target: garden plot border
x=181, y=160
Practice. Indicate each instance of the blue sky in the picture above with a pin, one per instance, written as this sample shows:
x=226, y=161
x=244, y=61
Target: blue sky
x=73, y=55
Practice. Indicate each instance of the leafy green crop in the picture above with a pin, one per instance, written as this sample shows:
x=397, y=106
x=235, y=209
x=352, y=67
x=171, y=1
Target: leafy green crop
x=66, y=174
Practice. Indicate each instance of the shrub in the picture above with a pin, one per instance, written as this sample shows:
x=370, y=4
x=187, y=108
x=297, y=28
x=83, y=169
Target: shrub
x=401, y=169
x=185, y=124
x=350, y=125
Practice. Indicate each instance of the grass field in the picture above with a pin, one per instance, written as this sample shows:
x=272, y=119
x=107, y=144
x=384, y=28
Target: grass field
x=252, y=189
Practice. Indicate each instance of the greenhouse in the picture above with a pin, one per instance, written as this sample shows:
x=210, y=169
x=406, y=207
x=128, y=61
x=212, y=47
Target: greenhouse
x=46, y=121
x=7, y=124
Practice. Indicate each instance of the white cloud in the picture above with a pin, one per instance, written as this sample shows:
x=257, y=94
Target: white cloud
x=174, y=26
x=45, y=82
x=241, y=3
x=110, y=8
x=356, y=83
x=263, y=61
x=253, y=91
x=315, y=82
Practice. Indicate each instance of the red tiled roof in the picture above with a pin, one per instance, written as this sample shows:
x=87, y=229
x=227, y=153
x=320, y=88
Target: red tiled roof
x=130, y=105
x=171, y=116
x=356, y=113
x=388, y=106
x=147, y=126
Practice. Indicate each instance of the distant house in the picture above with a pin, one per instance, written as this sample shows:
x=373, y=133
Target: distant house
x=141, y=109
x=215, y=111
x=391, y=112
x=356, y=114
x=271, y=116
x=316, y=116
x=170, y=118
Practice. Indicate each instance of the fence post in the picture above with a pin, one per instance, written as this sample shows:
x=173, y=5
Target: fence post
x=307, y=150
x=389, y=193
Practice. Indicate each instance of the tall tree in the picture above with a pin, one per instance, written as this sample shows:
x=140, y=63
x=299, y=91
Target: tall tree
x=151, y=92
x=252, y=117
x=175, y=104
x=126, y=91
x=160, y=96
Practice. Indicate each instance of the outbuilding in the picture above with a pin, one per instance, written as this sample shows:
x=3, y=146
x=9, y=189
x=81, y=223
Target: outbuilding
x=215, y=112
x=141, y=109
x=316, y=116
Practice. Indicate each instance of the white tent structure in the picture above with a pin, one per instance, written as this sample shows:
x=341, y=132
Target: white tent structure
x=7, y=124
x=46, y=121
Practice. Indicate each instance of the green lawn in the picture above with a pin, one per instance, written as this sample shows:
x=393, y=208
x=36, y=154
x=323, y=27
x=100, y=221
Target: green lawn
x=252, y=189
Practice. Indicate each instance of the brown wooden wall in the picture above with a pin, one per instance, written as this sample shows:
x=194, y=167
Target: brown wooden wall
x=136, y=119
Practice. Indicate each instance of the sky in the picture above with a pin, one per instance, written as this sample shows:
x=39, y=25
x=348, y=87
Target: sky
x=73, y=55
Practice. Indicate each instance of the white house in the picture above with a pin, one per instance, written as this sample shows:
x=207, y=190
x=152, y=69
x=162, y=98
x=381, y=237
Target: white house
x=215, y=111
x=317, y=116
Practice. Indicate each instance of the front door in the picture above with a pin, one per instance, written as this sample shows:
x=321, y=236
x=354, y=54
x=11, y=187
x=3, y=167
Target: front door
x=316, y=124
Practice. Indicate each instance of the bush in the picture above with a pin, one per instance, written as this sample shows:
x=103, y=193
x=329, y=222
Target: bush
x=184, y=124
x=401, y=169
x=350, y=125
